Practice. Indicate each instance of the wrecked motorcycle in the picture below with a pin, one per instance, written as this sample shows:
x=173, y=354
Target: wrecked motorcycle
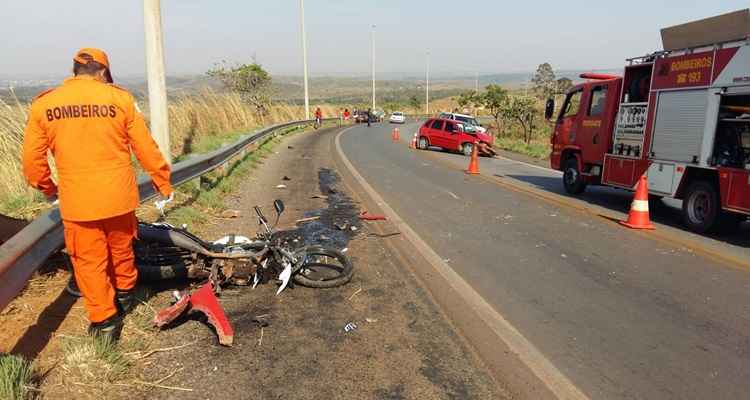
x=164, y=251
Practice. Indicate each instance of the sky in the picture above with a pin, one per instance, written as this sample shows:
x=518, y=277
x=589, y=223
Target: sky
x=463, y=37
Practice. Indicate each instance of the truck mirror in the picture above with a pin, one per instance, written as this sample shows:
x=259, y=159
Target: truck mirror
x=549, y=108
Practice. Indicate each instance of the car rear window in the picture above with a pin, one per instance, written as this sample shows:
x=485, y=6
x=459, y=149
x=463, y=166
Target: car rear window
x=437, y=124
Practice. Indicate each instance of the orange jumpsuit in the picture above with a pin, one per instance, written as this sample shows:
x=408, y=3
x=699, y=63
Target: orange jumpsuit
x=91, y=127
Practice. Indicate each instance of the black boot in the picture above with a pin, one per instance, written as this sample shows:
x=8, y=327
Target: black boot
x=72, y=287
x=125, y=300
x=109, y=329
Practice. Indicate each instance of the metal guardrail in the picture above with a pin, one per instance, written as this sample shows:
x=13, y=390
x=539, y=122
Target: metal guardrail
x=26, y=251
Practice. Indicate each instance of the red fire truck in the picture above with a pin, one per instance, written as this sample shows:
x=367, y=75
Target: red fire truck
x=680, y=115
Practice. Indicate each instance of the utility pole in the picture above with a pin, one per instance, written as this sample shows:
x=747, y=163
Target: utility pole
x=427, y=86
x=372, y=45
x=304, y=57
x=157, y=83
x=476, y=82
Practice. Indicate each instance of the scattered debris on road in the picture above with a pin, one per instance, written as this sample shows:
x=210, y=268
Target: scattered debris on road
x=355, y=293
x=319, y=196
x=303, y=220
x=230, y=214
x=282, y=186
x=341, y=226
x=286, y=178
x=350, y=327
x=371, y=217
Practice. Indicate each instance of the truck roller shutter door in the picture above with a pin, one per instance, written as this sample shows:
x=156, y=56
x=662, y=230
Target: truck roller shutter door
x=680, y=123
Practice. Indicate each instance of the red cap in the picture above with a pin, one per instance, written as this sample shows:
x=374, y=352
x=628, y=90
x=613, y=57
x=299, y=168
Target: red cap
x=86, y=54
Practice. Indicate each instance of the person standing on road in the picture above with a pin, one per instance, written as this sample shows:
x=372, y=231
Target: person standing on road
x=369, y=116
x=91, y=126
x=346, y=114
x=318, y=116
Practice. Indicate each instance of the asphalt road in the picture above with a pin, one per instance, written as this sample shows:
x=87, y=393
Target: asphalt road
x=621, y=315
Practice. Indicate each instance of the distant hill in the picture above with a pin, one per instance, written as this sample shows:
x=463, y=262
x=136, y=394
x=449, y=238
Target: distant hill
x=329, y=89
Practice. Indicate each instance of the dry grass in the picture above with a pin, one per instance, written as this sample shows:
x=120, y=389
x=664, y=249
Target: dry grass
x=93, y=361
x=12, y=122
x=192, y=119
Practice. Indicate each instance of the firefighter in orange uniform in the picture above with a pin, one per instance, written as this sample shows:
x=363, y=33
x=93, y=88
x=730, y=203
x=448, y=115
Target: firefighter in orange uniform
x=91, y=126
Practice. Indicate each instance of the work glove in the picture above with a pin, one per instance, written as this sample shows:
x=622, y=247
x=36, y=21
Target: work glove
x=163, y=201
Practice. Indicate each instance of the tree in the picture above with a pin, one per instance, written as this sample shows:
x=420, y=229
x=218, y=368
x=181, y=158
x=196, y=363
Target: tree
x=563, y=85
x=250, y=81
x=544, y=82
x=494, y=99
x=468, y=99
x=522, y=110
x=415, y=103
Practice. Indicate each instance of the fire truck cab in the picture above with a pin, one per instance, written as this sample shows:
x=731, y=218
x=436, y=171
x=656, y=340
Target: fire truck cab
x=681, y=116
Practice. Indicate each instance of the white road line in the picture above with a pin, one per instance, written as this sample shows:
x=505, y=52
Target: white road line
x=552, y=377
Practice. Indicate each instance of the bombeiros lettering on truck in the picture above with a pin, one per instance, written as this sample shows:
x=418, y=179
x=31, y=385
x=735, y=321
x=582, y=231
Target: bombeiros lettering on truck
x=680, y=115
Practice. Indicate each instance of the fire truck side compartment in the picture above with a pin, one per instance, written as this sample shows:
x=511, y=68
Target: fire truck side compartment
x=680, y=125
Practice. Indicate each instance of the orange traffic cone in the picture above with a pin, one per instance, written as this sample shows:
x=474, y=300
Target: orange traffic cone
x=638, y=216
x=413, y=143
x=474, y=163
x=396, y=135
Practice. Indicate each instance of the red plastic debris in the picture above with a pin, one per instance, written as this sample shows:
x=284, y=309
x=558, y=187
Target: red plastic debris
x=205, y=301
x=169, y=314
x=371, y=217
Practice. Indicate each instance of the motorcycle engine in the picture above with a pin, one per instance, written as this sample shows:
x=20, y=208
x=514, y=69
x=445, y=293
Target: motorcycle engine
x=236, y=271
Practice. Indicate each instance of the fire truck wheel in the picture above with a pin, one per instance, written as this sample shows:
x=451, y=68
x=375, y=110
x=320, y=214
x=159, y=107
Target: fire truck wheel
x=572, y=178
x=700, y=207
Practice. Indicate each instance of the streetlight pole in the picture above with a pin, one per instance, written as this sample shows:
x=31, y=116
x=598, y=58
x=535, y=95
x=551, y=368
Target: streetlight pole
x=372, y=45
x=304, y=57
x=427, y=86
x=157, y=83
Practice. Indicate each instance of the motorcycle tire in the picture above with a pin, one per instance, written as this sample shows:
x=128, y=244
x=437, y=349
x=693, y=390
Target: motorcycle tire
x=309, y=274
x=152, y=273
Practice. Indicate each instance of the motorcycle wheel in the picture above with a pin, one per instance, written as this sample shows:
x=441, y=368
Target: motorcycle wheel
x=323, y=268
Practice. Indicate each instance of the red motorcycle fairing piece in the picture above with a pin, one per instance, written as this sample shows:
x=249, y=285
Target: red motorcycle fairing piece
x=169, y=314
x=205, y=301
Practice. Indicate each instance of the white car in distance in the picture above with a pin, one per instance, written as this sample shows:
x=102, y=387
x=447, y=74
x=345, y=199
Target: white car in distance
x=465, y=119
x=397, y=117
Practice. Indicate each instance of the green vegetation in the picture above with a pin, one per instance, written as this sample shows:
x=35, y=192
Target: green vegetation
x=17, y=378
x=536, y=149
x=250, y=81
